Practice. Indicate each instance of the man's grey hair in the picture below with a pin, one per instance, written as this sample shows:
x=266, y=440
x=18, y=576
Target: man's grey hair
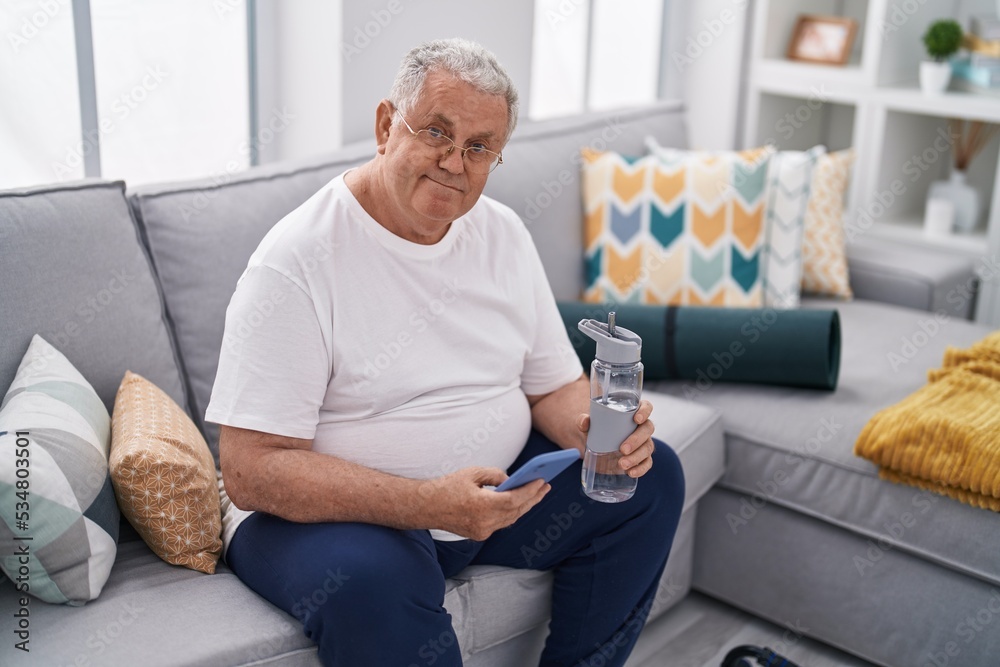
x=463, y=59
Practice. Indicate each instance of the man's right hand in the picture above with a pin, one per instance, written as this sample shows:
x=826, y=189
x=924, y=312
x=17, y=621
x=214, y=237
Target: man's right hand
x=459, y=503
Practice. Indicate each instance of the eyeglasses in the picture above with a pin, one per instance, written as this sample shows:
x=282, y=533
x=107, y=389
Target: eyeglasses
x=478, y=159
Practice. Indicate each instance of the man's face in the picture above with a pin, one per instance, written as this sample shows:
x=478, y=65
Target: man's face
x=429, y=188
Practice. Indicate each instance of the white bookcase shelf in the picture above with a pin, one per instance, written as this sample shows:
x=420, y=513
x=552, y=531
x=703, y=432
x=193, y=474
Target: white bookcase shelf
x=910, y=231
x=951, y=104
x=874, y=104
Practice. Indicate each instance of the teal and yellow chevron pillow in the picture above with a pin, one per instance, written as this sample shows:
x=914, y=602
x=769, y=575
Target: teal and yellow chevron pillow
x=685, y=230
x=787, y=195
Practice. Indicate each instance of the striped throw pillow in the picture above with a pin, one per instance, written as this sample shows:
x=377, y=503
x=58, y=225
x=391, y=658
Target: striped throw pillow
x=789, y=182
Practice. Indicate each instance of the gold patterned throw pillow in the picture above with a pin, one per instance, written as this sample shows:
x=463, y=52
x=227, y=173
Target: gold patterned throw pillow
x=824, y=248
x=164, y=476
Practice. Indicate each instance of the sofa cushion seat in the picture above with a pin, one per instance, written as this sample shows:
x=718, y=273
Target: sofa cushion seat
x=154, y=614
x=794, y=448
x=922, y=278
x=802, y=532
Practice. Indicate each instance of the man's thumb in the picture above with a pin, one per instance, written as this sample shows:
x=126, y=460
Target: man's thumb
x=489, y=476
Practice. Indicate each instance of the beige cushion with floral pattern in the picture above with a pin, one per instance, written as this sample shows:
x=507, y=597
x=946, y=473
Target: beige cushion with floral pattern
x=164, y=476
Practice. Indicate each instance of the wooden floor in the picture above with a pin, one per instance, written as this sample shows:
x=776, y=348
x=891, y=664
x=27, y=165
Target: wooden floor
x=699, y=632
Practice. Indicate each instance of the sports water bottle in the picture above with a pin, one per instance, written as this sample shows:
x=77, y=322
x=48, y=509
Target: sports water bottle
x=615, y=387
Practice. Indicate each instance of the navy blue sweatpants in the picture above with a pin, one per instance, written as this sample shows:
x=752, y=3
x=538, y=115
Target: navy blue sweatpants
x=370, y=595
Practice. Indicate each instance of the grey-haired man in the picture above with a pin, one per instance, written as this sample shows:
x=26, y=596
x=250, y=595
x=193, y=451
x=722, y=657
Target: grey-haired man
x=422, y=360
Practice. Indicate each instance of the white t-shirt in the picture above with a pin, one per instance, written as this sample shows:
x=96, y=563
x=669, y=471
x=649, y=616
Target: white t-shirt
x=411, y=359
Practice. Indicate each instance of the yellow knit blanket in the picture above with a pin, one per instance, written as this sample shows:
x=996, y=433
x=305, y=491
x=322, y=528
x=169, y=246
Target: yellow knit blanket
x=945, y=437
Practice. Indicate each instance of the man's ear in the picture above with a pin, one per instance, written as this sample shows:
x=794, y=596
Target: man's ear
x=383, y=124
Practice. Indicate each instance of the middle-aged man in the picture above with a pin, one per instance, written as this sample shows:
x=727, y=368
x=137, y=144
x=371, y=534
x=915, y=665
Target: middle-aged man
x=409, y=353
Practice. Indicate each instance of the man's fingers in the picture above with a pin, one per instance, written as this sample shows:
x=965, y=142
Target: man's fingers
x=641, y=469
x=529, y=494
x=642, y=433
x=518, y=501
x=642, y=414
x=534, y=499
x=641, y=454
x=488, y=476
x=522, y=493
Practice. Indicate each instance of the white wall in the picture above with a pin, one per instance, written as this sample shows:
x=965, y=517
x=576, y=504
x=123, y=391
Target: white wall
x=559, y=58
x=376, y=34
x=705, y=67
x=299, y=78
x=332, y=86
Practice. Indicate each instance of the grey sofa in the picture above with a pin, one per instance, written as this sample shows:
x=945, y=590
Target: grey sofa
x=183, y=245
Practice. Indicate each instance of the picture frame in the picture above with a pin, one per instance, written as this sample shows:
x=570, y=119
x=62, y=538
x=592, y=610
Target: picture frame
x=822, y=39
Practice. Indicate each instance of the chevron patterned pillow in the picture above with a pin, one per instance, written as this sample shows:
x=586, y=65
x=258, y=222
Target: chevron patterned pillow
x=684, y=228
x=789, y=181
x=824, y=248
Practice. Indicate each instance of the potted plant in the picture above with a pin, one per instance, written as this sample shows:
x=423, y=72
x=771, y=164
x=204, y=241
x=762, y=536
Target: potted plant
x=942, y=40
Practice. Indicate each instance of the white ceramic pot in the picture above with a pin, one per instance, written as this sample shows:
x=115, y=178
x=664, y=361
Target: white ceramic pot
x=939, y=216
x=964, y=199
x=934, y=77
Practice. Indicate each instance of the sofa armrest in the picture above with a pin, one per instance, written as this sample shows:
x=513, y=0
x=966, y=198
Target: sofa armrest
x=920, y=278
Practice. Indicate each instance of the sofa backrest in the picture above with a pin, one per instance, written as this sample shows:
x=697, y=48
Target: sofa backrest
x=201, y=234
x=74, y=272
x=540, y=177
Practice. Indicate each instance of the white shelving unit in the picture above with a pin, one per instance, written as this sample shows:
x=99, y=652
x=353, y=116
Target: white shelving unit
x=874, y=104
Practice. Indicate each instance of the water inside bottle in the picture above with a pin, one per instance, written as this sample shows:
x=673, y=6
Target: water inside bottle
x=624, y=401
x=603, y=478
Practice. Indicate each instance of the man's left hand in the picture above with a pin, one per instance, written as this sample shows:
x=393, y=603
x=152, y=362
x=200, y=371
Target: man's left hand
x=637, y=450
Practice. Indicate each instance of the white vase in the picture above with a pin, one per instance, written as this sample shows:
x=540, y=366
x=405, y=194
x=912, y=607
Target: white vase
x=963, y=197
x=939, y=216
x=934, y=77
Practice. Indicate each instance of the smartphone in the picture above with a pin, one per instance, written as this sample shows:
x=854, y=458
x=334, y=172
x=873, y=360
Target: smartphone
x=544, y=466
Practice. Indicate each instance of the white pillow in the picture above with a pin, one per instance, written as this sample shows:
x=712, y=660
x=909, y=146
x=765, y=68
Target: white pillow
x=59, y=534
x=789, y=179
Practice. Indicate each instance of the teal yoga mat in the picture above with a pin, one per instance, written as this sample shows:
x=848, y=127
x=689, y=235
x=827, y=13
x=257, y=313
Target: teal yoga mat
x=795, y=348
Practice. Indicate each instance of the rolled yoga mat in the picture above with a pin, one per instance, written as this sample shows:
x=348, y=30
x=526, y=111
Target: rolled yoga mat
x=794, y=348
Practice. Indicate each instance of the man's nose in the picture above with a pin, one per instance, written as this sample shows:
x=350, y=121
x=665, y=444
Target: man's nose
x=453, y=161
